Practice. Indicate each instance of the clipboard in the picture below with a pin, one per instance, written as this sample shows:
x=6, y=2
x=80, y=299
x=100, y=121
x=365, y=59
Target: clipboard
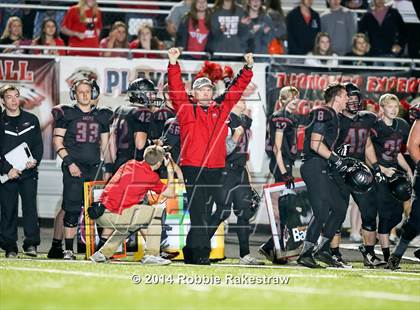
x=18, y=157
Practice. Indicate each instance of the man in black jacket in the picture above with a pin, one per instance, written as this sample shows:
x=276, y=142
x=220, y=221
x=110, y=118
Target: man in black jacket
x=303, y=24
x=386, y=30
x=18, y=126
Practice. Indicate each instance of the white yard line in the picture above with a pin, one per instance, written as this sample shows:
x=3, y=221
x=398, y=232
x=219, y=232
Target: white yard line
x=395, y=276
x=415, y=272
x=67, y=272
x=282, y=288
x=391, y=277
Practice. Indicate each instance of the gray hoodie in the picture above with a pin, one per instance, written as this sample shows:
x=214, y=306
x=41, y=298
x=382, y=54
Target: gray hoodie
x=341, y=25
x=233, y=39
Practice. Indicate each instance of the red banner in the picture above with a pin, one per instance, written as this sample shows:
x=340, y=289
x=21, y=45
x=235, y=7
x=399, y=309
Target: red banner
x=37, y=80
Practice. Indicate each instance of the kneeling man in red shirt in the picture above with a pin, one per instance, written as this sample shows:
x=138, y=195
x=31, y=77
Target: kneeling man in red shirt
x=122, y=209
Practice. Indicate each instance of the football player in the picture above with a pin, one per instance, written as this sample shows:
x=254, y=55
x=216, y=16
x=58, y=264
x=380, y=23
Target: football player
x=236, y=189
x=170, y=138
x=165, y=112
x=80, y=138
x=388, y=136
x=282, y=134
x=324, y=194
x=354, y=141
x=411, y=228
x=130, y=127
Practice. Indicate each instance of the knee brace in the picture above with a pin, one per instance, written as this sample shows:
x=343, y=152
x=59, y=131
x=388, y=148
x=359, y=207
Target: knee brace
x=369, y=226
x=71, y=219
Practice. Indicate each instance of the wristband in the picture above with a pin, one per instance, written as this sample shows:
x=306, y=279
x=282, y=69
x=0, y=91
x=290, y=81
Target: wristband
x=246, y=121
x=67, y=160
x=60, y=149
x=376, y=168
x=109, y=167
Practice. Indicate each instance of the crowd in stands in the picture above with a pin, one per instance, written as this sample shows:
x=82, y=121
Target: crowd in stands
x=228, y=26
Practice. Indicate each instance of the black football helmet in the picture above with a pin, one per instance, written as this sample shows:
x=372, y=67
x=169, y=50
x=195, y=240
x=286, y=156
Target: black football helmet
x=400, y=186
x=353, y=106
x=142, y=91
x=357, y=176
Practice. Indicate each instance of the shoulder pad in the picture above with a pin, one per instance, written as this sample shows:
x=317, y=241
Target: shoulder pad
x=171, y=121
x=104, y=109
x=368, y=115
x=172, y=126
x=106, y=112
x=402, y=123
x=321, y=114
x=61, y=111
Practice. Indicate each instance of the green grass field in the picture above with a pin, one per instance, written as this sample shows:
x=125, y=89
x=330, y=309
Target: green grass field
x=46, y=284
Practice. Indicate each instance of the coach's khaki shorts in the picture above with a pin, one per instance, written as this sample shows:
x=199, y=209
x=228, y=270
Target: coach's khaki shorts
x=131, y=220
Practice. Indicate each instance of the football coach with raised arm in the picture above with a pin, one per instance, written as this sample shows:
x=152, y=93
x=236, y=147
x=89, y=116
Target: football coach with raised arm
x=203, y=132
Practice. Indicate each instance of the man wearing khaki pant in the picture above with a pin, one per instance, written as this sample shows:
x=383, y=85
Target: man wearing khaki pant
x=122, y=212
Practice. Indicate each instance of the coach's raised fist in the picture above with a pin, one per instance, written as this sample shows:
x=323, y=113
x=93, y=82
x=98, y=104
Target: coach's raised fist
x=173, y=54
x=249, y=59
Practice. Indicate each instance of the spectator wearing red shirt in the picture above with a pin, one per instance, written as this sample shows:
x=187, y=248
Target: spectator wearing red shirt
x=122, y=209
x=194, y=29
x=146, y=40
x=203, y=132
x=118, y=38
x=83, y=24
x=49, y=37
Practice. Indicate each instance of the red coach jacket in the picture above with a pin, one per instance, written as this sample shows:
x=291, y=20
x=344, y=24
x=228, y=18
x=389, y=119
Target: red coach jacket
x=203, y=134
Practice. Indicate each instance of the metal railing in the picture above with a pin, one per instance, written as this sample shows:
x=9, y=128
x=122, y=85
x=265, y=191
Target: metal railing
x=410, y=62
x=286, y=9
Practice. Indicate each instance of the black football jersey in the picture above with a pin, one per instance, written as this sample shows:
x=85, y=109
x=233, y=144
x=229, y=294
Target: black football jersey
x=287, y=123
x=159, y=119
x=171, y=137
x=388, y=140
x=324, y=121
x=83, y=131
x=240, y=155
x=355, y=132
x=126, y=121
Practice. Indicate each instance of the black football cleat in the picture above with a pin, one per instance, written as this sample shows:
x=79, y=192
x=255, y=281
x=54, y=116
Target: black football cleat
x=417, y=253
x=393, y=262
x=308, y=261
x=370, y=259
x=55, y=253
x=340, y=261
x=202, y=261
x=326, y=257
